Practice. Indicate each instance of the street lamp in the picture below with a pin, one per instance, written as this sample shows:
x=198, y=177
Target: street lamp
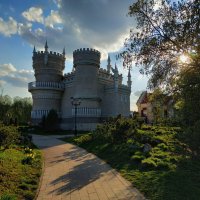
x=75, y=102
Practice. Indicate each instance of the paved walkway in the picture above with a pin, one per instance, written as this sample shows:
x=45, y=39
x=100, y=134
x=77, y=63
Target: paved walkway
x=72, y=173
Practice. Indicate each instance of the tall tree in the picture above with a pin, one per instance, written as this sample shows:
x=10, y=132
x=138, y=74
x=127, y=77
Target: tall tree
x=165, y=30
x=167, y=33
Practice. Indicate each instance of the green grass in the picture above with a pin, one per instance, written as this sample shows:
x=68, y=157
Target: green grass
x=18, y=179
x=174, y=174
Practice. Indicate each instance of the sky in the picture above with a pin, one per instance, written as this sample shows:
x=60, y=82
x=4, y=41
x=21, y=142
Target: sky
x=73, y=24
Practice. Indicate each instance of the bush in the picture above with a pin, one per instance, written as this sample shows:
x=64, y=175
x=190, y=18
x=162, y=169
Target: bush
x=9, y=135
x=192, y=137
x=116, y=130
x=83, y=139
x=28, y=195
x=138, y=156
x=8, y=197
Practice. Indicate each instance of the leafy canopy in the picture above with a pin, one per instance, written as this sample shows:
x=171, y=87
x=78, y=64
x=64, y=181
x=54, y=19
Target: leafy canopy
x=165, y=30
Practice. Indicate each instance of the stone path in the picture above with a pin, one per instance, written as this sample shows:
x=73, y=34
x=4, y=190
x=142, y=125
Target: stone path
x=71, y=173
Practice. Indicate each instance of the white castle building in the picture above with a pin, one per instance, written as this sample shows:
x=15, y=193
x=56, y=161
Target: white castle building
x=100, y=91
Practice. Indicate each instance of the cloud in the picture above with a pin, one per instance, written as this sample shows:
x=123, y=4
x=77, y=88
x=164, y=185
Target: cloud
x=24, y=28
x=101, y=24
x=2, y=83
x=34, y=14
x=18, y=78
x=9, y=27
x=52, y=19
x=98, y=24
x=6, y=69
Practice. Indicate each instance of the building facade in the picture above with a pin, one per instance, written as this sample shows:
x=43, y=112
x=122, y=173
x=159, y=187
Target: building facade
x=100, y=91
x=151, y=111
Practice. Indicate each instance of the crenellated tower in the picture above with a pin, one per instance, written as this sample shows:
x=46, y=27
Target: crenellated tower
x=86, y=65
x=48, y=88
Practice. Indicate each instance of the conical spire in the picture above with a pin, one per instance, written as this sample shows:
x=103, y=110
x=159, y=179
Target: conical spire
x=116, y=67
x=129, y=73
x=46, y=47
x=34, y=51
x=109, y=64
x=129, y=82
x=63, y=51
x=108, y=59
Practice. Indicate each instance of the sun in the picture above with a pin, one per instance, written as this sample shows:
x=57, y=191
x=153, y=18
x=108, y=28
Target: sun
x=184, y=58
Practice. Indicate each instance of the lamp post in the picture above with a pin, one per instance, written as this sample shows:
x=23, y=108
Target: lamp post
x=75, y=102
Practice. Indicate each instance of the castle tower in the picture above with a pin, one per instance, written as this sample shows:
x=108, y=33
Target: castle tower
x=86, y=64
x=48, y=88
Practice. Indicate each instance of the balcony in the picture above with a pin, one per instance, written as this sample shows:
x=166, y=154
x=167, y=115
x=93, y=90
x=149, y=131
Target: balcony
x=38, y=114
x=46, y=85
x=87, y=112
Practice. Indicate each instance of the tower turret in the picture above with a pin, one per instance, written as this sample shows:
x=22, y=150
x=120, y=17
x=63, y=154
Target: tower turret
x=87, y=64
x=129, y=82
x=48, y=66
x=48, y=88
x=63, y=51
x=109, y=64
x=116, y=77
x=46, y=47
x=34, y=51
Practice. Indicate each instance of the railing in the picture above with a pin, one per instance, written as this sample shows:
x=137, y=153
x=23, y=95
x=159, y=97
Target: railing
x=38, y=114
x=87, y=112
x=54, y=85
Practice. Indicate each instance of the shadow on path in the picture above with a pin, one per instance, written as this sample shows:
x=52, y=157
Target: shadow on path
x=73, y=173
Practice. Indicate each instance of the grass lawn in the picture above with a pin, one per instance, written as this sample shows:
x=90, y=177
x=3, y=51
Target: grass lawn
x=167, y=173
x=19, y=177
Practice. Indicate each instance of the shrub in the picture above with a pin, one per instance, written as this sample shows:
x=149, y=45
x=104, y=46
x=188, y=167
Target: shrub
x=83, y=139
x=116, y=130
x=28, y=195
x=8, y=197
x=9, y=135
x=192, y=137
x=28, y=158
x=138, y=156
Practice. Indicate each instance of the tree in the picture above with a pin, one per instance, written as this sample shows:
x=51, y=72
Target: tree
x=21, y=109
x=5, y=105
x=165, y=31
x=15, y=110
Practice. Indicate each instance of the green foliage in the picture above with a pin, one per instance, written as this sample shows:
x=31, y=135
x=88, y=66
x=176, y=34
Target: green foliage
x=163, y=172
x=138, y=156
x=8, y=197
x=21, y=179
x=83, y=139
x=9, y=135
x=162, y=35
x=16, y=110
x=192, y=137
x=189, y=86
x=29, y=157
x=116, y=130
x=29, y=195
